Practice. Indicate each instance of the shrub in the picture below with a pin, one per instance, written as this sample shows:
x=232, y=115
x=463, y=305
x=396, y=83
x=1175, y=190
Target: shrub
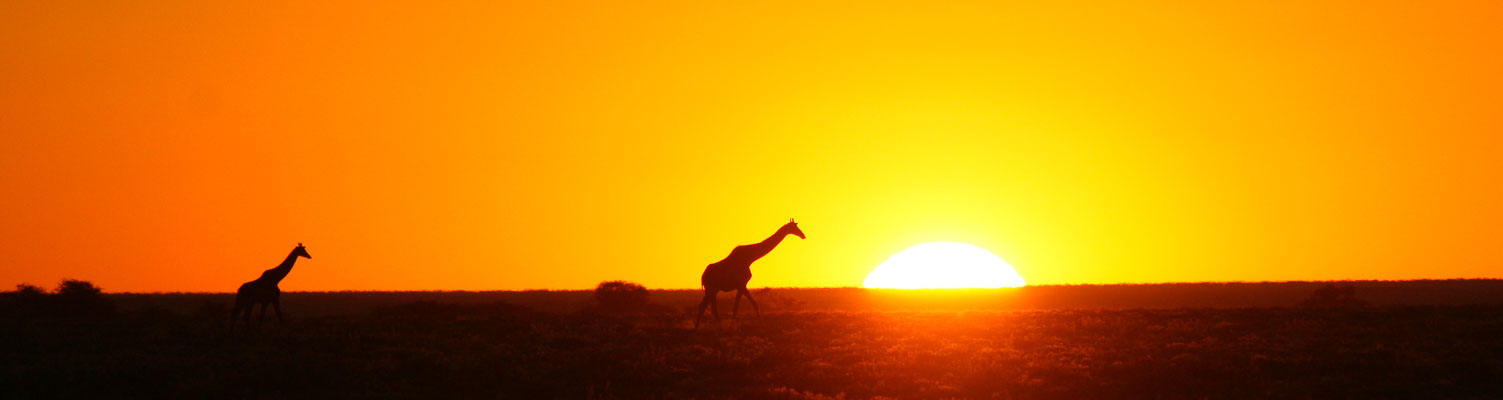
x=620, y=296
x=29, y=290
x=73, y=288
x=26, y=301
x=76, y=298
x=72, y=298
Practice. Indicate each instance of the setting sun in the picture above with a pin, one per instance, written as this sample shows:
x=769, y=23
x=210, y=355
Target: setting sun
x=943, y=265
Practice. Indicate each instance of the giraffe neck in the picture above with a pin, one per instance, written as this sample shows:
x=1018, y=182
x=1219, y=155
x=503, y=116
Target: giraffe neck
x=275, y=275
x=766, y=245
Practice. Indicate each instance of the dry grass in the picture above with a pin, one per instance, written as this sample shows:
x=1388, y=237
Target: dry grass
x=477, y=349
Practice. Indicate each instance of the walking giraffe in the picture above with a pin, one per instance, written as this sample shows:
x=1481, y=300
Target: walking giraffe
x=264, y=290
x=733, y=272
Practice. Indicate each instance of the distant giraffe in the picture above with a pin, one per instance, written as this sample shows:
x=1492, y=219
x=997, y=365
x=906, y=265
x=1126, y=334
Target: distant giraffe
x=264, y=290
x=733, y=272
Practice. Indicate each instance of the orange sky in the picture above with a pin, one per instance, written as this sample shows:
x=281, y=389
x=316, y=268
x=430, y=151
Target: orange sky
x=182, y=146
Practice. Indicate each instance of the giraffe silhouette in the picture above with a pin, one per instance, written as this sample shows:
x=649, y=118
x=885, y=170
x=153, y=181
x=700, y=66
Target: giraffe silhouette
x=264, y=290
x=733, y=272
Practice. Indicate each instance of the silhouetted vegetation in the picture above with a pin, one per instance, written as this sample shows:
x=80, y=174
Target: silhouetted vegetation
x=72, y=299
x=619, y=297
x=28, y=301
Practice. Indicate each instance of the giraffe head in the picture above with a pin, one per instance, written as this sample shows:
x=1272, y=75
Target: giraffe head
x=792, y=229
x=301, y=251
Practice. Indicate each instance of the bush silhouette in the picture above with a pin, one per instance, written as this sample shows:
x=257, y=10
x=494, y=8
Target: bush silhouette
x=72, y=298
x=77, y=289
x=620, y=297
x=26, y=301
x=29, y=290
x=76, y=298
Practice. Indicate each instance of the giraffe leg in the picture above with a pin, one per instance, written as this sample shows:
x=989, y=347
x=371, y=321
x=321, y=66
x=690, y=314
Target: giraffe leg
x=262, y=318
x=709, y=297
x=736, y=305
x=276, y=305
x=715, y=305
x=747, y=293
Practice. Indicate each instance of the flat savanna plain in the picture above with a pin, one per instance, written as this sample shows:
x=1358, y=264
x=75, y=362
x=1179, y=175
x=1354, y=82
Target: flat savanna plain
x=1427, y=339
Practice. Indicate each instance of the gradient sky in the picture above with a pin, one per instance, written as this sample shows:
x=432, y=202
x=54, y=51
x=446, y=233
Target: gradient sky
x=187, y=146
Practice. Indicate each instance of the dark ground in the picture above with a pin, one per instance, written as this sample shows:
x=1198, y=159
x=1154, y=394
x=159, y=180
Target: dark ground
x=466, y=345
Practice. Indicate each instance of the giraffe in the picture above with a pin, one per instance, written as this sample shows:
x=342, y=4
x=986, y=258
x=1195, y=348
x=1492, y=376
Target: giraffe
x=733, y=272
x=264, y=290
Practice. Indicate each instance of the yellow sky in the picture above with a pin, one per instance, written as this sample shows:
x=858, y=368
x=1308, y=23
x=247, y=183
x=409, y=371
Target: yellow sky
x=180, y=146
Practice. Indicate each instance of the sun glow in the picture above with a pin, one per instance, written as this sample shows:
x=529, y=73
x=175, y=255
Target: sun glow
x=943, y=265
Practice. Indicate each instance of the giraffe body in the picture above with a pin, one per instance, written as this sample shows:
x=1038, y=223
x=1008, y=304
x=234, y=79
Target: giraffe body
x=264, y=290
x=734, y=272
